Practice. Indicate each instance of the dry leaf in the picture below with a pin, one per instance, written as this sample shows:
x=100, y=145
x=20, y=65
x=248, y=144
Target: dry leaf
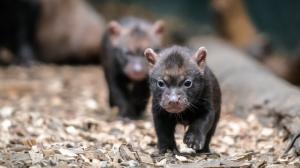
x=67, y=152
x=35, y=157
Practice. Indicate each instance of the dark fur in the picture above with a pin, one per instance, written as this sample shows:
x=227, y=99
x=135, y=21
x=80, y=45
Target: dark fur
x=128, y=95
x=17, y=30
x=205, y=96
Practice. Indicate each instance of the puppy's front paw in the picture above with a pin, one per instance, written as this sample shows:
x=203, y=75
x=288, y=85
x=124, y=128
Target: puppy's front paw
x=193, y=140
x=168, y=149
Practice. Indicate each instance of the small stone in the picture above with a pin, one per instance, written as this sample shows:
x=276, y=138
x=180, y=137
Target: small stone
x=187, y=150
x=91, y=104
x=181, y=158
x=35, y=157
x=66, y=152
x=234, y=127
x=52, y=163
x=55, y=86
x=101, y=164
x=6, y=111
x=162, y=162
x=6, y=124
x=148, y=125
x=228, y=140
x=133, y=163
x=267, y=132
x=251, y=118
x=71, y=130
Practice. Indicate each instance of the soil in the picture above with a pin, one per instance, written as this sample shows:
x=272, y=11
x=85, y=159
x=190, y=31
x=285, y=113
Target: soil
x=58, y=116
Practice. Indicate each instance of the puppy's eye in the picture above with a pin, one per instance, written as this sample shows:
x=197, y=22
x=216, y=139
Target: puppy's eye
x=156, y=50
x=161, y=84
x=188, y=83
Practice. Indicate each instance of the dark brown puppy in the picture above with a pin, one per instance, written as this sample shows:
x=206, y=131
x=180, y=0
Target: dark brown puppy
x=124, y=64
x=184, y=91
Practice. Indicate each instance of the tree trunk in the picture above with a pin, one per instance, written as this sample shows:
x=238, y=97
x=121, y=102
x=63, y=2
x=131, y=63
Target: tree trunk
x=233, y=23
x=253, y=88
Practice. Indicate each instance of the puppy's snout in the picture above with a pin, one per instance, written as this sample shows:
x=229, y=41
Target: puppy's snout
x=174, y=100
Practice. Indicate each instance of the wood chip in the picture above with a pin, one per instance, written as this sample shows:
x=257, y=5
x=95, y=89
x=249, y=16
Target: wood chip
x=67, y=152
x=35, y=157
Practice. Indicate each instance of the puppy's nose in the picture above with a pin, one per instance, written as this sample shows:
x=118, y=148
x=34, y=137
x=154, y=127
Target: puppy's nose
x=137, y=68
x=174, y=99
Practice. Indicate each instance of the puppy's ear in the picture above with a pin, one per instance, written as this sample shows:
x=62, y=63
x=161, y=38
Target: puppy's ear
x=159, y=27
x=151, y=56
x=114, y=28
x=199, y=57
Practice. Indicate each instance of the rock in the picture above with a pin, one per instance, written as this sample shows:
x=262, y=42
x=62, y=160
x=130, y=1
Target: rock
x=91, y=104
x=6, y=111
x=228, y=140
x=267, y=132
x=6, y=124
x=72, y=130
x=181, y=158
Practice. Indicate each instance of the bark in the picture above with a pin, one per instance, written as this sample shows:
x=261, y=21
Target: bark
x=233, y=23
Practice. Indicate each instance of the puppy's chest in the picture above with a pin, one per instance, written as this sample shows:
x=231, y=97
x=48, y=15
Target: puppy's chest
x=187, y=118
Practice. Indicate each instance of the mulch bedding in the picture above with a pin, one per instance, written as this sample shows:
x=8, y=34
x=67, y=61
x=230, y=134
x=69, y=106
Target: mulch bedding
x=58, y=116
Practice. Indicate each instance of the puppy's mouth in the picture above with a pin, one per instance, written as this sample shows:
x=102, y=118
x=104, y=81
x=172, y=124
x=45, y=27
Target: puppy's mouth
x=175, y=108
x=137, y=76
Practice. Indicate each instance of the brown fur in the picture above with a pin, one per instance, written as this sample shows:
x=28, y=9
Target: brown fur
x=135, y=38
x=69, y=28
x=180, y=71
